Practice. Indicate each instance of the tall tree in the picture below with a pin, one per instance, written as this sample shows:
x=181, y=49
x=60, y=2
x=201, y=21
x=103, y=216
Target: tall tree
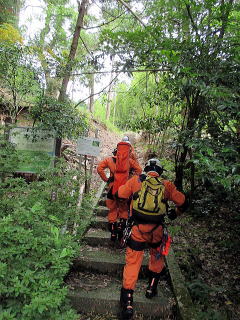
x=9, y=11
x=82, y=9
x=198, y=43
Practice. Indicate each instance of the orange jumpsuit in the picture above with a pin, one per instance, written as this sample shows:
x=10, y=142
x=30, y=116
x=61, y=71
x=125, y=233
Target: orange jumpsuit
x=117, y=209
x=133, y=154
x=142, y=233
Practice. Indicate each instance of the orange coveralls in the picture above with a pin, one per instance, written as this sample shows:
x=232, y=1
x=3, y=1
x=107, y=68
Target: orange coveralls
x=145, y=232
x=117, y=209
x=133, y=154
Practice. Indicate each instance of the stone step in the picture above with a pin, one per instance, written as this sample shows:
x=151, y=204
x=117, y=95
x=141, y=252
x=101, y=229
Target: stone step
x=104, y=260
x=101, y=211
x=100, y=223
x=99, y=294
x=97, y=237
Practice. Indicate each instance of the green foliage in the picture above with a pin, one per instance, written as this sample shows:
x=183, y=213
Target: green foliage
x=216, y=162
x=99, y=111
x=100, y=114
x=197, y=44
x=59, y=117
x=200, y=290
x=8, y=156
x=151, y=104
x=211, y=314
x=174, y=230
x=7, y=12
x=19, y=78
x=35, y=258
x=37, y=244
x=9, y=34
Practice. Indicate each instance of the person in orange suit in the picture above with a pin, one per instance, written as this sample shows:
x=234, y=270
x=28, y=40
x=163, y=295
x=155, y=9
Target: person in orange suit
x=132, y=152
x=118, y=210
x=145, y=234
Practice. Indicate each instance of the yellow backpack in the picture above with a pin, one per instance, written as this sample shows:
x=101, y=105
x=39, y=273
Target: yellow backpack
x=148, y=203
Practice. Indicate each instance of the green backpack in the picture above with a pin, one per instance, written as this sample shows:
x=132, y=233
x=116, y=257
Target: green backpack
x=148, y=203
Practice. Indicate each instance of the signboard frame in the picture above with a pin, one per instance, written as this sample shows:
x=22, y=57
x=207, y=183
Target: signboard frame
x=88, y=146
x=37, y=154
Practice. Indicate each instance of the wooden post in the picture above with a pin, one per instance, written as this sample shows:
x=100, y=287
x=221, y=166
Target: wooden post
x=92, y=164
x=85, y=174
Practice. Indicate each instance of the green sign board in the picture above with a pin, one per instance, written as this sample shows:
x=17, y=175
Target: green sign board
x=88, y=146
x=35, y=149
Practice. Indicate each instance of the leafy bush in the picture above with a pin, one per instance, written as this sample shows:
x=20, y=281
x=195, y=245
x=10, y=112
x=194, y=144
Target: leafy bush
x=37, y=244
x=34, y=259
x=63, y=119
x=216, y=164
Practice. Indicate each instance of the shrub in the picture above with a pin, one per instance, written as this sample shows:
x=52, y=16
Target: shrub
x=35, y=252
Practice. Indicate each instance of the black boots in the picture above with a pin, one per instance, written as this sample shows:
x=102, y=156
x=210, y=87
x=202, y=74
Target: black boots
x=152, y=284
x=112, y=227
x=126, y=301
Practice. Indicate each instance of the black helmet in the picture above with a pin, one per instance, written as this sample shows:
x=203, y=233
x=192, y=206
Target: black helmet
x=154, y=165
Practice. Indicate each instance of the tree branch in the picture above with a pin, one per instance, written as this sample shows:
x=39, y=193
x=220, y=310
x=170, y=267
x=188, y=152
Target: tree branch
x=119, y=71
x=91, y=95
x=79, y=24
x=103, y=24
x=133, y=13
x=225, y=17
x=85, y=46
x=191, y=19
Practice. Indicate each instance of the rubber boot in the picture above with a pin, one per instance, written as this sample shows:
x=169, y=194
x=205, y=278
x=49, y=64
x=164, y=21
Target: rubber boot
x=152, y=284
x=120, y=227
x=112, y=227
x=126, y=301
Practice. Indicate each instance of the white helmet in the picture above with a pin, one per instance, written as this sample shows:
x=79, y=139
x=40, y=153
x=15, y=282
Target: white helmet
x=154, y=165
x=125, y=139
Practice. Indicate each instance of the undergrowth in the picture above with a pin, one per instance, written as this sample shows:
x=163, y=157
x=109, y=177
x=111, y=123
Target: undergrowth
x=39, y=238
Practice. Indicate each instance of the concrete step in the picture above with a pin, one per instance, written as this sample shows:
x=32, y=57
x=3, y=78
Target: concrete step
x=101, y=211
x=104, y=260
x=100, y=223
x=100, y=295
x=97, y=237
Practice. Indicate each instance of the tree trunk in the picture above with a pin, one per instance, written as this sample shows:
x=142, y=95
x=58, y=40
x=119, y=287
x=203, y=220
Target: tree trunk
x=179, y=168
x=114, y=107
x=109, y=95
x=194, y=104
x=108, y=105
x=16, y=10
x=82, y=9
x=91, y=88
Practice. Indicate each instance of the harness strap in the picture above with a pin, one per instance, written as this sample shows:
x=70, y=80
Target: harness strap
x=155, y=244
x=136, y=245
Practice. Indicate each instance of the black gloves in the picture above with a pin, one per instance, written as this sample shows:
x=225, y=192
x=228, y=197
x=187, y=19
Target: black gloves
x=185, y=205
x=172, y=215
x=110, y=179
x=142, y=177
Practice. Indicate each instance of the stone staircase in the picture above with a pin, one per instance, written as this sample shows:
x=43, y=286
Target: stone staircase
x=95, y=280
